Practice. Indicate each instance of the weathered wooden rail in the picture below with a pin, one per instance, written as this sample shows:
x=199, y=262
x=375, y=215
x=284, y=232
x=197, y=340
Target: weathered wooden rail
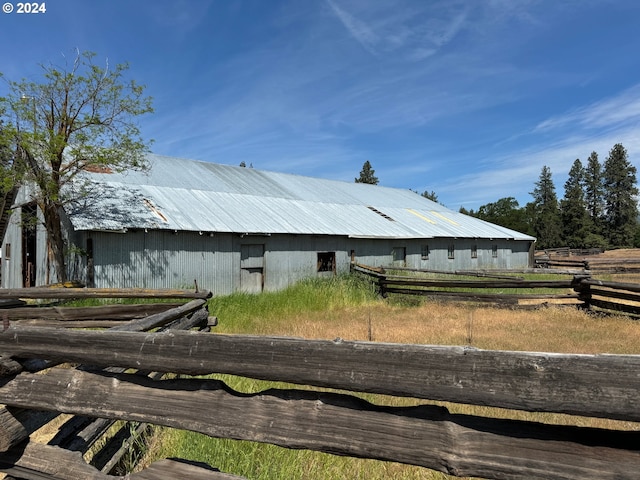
x=581, y=290
x=425, y=435
x=106, y=388
x=80, y=433
x=587, y=260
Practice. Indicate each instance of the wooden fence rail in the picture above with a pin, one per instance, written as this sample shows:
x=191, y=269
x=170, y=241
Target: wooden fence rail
x=603, y=386
x=80, y=433
x=581, y=290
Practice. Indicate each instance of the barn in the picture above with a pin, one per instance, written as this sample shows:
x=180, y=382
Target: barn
x=243, y=229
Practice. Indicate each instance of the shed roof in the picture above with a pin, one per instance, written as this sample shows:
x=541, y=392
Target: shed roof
x=178, y=194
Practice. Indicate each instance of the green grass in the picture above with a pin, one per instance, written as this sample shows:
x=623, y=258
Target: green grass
x=245, y=312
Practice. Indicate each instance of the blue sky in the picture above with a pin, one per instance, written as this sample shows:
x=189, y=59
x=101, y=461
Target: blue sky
x=466, y=98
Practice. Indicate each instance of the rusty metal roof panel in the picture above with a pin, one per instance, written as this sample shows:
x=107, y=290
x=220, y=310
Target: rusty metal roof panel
x=177, y=194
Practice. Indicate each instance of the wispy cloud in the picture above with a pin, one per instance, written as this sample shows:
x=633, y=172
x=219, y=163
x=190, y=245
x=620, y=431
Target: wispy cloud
x=356, y=28
x=414, y=32
x=609, y=112
x=514, y=173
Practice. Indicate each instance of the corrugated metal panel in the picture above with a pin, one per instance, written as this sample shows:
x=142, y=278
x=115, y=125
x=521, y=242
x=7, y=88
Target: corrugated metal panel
x=186, y=195
x=162, y=259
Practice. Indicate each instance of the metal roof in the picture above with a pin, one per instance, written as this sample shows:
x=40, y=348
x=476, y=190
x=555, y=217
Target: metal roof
x=178, y=194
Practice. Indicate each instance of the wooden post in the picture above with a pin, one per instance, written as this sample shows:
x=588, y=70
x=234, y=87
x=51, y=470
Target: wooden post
x=583, y=288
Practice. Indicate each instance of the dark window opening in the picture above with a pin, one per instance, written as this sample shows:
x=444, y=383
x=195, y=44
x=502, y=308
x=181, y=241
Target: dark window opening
x=494, y=251
x=451, y=251
x=29, y=226
x=7, y=251
x=424, y=253
x=326, y=262
x=399, y=254
x=474, y=251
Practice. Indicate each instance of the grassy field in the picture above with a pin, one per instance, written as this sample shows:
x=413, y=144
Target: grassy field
x=348, y=308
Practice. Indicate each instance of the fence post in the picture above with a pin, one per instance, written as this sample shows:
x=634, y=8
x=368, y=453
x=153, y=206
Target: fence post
x=583, y=290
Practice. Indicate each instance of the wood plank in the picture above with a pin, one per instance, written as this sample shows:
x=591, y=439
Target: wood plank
x=173, y=469
x=614, y=306
x=632, y=287
x=100, y=312
x=70, y=323
x=33, y=461
x=162, y=318
x=16, y=424
x=12, y=428
x=480, y=284
x=599, y=292
x=63, y=293
x=589, y=385
x=425, y=435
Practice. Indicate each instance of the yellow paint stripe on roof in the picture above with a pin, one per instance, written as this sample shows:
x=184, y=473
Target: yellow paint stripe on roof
x=445, y=218
x=417, y=214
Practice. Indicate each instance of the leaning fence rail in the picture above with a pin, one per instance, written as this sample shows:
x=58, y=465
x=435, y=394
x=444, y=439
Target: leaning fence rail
x=80, y=433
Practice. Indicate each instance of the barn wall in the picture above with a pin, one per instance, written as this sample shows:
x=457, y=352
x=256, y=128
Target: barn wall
x=433, y=254
x=160, y=259
x=225, y=263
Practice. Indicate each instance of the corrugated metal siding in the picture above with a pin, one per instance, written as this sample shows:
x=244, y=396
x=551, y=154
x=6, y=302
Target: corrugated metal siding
x=161, y=259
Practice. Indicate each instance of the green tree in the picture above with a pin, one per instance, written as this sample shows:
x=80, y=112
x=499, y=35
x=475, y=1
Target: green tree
x=367, y=174
x=430, y=195
x=546, y=215
x=505, y=212
x=620, y=192
x=593, y=192
x=576, y=223
x=75, y=118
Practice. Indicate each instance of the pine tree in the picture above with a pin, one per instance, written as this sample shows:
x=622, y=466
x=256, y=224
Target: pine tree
x=367, y=174
x=576, y=223
x=621, y=209
x=593, y=192
x=546, y=219
x=430, y=195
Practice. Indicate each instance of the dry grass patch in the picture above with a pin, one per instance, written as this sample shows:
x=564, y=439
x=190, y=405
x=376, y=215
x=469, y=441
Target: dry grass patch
x=552, y=329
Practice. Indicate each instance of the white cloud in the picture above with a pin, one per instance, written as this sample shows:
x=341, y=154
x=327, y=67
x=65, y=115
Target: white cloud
x=611, y=111
x=356, y=28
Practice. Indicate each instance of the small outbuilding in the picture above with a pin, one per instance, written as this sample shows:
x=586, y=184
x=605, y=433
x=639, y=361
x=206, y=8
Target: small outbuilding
x=243, y=229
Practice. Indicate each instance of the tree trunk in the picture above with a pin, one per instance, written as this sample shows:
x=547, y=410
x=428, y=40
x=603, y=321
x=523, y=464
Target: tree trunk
x=55, y=241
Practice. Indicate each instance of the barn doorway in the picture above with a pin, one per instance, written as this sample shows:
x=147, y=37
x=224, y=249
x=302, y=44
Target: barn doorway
x=252, y=268
x=29, y=226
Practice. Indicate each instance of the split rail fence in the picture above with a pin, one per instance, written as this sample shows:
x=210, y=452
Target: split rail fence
x=580, y=290
x=103, y=386
x=585, y=259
